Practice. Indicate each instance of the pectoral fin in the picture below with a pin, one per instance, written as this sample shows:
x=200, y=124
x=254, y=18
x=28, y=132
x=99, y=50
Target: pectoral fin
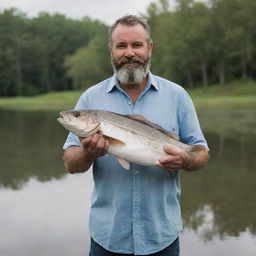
x=114, y=142
x=125, y=164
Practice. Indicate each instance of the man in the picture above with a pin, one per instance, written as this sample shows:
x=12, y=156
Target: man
x=136, y=212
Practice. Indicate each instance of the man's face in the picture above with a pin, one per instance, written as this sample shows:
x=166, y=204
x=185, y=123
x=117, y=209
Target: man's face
x=130, y=53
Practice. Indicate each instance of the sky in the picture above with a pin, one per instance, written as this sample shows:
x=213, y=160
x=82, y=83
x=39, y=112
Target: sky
x=105, y=10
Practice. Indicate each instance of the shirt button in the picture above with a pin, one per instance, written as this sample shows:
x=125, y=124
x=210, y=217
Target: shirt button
x=129, y=102
x=135, y=193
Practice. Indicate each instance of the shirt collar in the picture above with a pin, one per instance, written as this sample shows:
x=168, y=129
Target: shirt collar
x=113, y=83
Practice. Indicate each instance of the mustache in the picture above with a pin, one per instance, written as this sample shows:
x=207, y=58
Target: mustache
x=130, y=60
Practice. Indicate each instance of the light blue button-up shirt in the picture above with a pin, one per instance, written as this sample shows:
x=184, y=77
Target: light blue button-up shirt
x=138, y=211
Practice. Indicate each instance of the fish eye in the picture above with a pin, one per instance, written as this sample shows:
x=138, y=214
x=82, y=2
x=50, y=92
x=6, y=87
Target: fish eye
x=76, y=114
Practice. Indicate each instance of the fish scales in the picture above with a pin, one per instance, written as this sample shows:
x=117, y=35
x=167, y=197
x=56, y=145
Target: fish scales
x=137, y=126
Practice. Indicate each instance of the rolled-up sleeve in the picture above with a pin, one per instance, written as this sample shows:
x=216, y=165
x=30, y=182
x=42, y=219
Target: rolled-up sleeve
x=190, y=131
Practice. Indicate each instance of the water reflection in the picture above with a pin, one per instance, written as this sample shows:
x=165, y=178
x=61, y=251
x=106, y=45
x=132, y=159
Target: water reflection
x=192, y=244
x=49, y=218
x=41, y=204
x=31, y=143
x=224, y=191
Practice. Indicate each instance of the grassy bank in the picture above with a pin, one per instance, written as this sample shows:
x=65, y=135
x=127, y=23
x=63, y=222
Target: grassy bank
x=49, y=101
x=231, y=95
x=235, y=94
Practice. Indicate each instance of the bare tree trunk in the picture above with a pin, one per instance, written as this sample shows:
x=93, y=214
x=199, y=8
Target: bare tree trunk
x=46, y=84
x=190, y=79
x=221, y=72
x=46, y=79
x=18, y=70
x=64, y=81
x=204, y=71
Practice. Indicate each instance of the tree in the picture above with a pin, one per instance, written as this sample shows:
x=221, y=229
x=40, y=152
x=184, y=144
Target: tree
x=90, y=64
x=199, y=37
x=195, y=44
x=12, y=43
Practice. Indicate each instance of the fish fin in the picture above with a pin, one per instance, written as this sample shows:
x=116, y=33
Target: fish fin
x=125, y=164
x=144, y=120
x=138, y=117
x=114, y=142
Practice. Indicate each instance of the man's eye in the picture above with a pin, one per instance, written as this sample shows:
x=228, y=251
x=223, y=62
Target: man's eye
x=137, y=44
x=120, y=46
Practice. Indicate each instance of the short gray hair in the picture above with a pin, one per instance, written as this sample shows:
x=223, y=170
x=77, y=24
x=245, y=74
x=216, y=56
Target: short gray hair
x=129, y=20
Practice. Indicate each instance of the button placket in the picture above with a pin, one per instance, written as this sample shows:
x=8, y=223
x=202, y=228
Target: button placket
x=136, y=207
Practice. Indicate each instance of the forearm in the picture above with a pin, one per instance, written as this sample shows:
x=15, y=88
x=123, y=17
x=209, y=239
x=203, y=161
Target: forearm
x=196, y=159
x=76, y=159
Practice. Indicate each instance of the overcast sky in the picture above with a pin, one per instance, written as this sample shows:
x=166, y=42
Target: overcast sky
x=104, y=10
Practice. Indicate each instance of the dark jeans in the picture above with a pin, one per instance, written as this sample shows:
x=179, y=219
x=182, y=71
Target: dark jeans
x=171, y=250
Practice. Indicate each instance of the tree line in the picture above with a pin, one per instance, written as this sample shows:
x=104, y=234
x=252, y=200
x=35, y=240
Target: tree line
x=204, y=43
x=33, y=50
x=195, y=44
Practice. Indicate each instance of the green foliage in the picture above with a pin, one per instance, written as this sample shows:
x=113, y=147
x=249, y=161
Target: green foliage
x=196, y=44
x=32, y=51
x=90, y=64
x=204, y=43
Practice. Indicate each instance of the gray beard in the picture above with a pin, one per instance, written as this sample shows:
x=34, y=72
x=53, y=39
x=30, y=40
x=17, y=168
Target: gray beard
x=131, y=75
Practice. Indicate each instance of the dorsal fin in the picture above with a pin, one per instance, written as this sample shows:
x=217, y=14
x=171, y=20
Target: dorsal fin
x=144, y=120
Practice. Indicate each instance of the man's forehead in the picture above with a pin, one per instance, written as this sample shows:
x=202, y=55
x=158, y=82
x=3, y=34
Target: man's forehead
x=123, y=32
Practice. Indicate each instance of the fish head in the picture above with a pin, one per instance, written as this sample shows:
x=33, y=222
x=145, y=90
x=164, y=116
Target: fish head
x=83, y=123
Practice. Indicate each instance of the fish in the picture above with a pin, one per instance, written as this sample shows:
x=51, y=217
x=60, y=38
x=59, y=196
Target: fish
x=132, y=138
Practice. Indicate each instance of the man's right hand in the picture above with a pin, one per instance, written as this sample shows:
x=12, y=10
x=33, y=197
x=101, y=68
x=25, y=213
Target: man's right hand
x=79, y=159
x=95, y=145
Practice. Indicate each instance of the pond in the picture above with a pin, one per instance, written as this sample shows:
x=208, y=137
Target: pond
x=44, y=210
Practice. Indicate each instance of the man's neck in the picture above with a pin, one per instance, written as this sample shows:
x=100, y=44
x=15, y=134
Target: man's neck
x=134, y=90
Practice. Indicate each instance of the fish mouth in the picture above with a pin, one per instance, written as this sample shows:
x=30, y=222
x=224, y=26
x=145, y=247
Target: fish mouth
x=63, y=118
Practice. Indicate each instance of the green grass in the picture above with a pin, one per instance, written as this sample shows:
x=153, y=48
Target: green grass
x=237, y=88
x=49, y=101
x=237, y=94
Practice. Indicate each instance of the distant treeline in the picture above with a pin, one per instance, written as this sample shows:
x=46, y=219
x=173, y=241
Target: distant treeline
x=197, y=44
x=204, y=43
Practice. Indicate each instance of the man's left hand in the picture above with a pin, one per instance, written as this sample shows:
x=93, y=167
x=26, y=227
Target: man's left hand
x=175, y=159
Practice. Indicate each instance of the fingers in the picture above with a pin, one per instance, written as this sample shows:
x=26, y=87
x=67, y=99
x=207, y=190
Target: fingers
x=95, y=145
x=169, y=163
x=169, y=159
x=173, y=160
x=167, y=167
x=171, y=150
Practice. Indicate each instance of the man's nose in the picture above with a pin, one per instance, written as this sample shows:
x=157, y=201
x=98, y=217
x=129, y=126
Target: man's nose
x=129, y=52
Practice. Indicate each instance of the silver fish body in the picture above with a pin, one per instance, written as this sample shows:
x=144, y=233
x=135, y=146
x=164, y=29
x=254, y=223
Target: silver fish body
x=132, y=138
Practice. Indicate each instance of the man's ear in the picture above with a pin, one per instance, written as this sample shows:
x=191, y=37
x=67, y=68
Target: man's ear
x=150, y=47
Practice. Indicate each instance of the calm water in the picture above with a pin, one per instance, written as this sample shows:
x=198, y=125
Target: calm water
x=44, y=211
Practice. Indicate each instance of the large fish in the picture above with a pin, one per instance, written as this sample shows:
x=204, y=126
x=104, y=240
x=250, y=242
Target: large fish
x=132, y=138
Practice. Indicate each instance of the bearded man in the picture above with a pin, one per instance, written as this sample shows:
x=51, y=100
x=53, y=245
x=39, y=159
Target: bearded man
x=136, y=212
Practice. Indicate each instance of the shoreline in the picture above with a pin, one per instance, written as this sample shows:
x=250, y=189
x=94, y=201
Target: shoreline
x=235, y=95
